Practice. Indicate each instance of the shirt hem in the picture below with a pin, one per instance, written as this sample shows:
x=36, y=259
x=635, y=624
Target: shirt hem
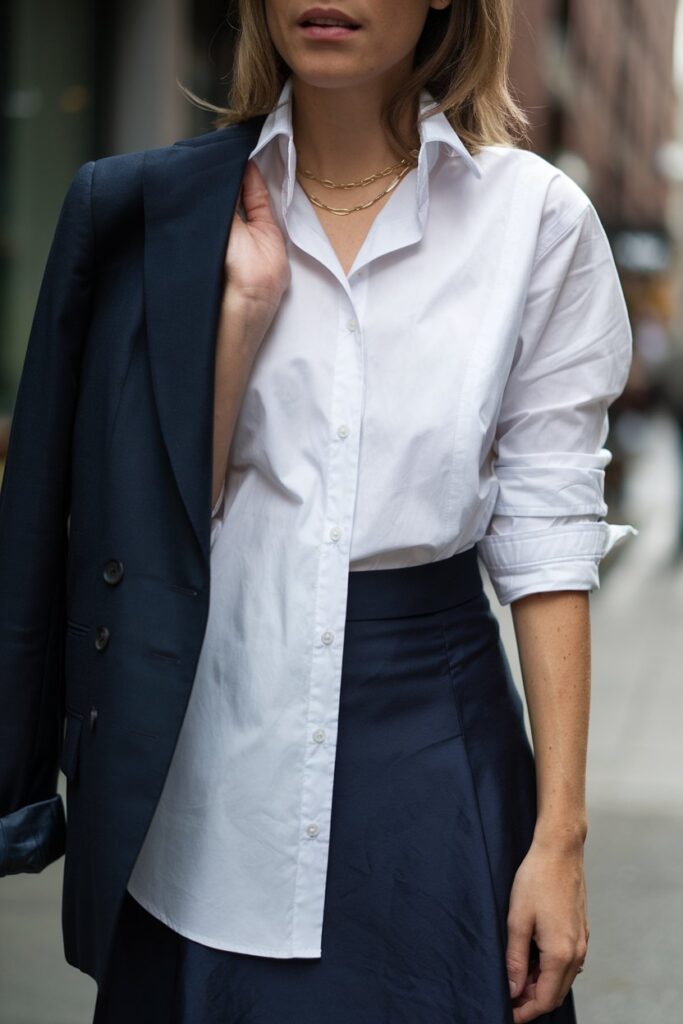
x=238, y=947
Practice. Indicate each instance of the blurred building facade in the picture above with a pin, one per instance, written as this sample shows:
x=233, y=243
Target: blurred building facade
x=80, y=80
x=598, y=82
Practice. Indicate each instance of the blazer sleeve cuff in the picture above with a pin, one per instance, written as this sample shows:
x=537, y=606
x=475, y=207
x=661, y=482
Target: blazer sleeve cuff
x=32, y=837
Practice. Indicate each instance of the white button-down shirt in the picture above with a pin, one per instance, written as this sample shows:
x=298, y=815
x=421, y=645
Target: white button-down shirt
x=452, y=390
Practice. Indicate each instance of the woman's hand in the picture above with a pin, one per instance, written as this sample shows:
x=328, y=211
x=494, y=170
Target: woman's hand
x=256, y=266
x=548, y=905
x=256, y=274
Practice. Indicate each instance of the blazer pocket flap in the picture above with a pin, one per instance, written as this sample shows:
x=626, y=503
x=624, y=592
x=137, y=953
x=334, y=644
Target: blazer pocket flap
x=68, y=761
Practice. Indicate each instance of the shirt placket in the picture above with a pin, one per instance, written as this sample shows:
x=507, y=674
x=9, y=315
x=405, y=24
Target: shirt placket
x=329, y=617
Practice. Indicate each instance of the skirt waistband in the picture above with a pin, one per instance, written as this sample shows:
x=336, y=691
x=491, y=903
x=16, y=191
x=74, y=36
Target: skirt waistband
x=414, y=589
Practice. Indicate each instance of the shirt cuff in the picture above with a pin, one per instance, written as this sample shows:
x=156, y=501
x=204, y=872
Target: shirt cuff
x=556, y=558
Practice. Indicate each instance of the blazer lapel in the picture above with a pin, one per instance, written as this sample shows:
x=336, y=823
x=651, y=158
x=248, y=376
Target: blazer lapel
x=190, y=193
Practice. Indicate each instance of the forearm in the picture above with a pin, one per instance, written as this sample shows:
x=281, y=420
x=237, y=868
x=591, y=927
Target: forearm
x=553, y=639
x=240, y=331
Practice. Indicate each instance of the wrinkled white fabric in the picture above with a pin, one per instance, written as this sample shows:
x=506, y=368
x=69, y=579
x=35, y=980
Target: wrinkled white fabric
x=452, y=390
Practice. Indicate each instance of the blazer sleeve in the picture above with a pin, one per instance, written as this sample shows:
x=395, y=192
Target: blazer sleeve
x=33, y=541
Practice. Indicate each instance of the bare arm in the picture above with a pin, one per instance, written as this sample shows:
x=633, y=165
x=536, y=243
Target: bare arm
x=548, y=898
x=256, y=275
x=553, y=638
x=239, y=335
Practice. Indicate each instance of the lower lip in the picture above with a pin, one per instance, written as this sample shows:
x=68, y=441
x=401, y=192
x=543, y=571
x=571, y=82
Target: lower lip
x=327, y=31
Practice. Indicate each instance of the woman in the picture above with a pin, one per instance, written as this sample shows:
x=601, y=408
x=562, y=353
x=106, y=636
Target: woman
x=333, y=812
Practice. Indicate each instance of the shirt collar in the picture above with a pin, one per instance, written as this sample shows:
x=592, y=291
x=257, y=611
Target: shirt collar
x=434, y=129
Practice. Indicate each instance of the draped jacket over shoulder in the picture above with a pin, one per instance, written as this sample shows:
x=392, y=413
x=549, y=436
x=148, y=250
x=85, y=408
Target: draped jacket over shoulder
x=105, y=516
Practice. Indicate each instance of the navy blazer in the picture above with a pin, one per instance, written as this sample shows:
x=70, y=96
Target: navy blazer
x=105, y=517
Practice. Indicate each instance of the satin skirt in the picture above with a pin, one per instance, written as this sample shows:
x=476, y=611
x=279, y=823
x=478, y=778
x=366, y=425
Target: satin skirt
x=434, y=806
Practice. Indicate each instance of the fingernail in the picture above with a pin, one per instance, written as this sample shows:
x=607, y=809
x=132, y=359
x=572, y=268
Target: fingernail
x=513, y=987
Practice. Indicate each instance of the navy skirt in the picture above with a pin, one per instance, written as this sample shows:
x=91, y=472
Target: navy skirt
x=434, y=806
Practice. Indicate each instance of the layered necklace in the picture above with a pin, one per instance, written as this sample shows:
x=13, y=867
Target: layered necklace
x=400, y=169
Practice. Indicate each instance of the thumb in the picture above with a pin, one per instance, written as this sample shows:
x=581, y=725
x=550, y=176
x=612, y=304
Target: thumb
x=517, y=954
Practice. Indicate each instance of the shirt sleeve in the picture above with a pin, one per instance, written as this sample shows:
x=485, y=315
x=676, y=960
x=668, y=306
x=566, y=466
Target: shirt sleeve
x=573, y=354
x=217, y=516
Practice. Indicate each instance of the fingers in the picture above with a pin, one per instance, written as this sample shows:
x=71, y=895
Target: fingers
x=557, y=969
x=255, y=195
x=517, y=953
x=544, y=995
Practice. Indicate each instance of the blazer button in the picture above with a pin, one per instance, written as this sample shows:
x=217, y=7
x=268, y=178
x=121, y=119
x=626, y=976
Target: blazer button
x=92, y=718
x=113, y=571
x=101, y=637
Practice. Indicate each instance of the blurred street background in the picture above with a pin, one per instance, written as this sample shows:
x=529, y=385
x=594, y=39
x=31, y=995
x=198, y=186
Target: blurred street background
x=602, y=81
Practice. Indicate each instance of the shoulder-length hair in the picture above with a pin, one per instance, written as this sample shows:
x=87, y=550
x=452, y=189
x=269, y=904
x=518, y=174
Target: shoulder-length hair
x=462, y=58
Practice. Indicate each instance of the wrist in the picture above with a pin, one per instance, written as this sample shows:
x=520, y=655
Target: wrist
x=242, y=322
x=249, y=307
x=561, y=834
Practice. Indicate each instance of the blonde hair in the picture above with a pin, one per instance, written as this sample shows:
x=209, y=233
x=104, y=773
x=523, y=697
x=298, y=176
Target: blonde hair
x=462, y=58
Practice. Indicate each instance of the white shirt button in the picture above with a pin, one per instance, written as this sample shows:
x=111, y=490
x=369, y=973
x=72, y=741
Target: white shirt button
x=327, y=637
x=335, y=533
x=343, y=430
x=312, y=830
x=351, y=324
x=319, y=735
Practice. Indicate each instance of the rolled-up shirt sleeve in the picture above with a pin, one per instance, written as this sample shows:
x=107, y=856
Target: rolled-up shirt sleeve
x=573, y=354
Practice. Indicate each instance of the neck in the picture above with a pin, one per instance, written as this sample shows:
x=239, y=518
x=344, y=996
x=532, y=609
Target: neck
x=338, y=132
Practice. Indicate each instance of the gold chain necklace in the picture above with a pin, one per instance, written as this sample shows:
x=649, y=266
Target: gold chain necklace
x=404, y=166
x=363, y=181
